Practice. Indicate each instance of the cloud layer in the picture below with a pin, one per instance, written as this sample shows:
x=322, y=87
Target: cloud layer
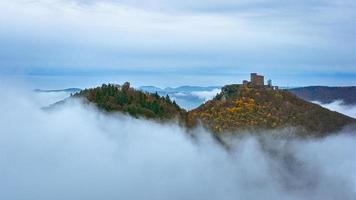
x=340, y=107
x=206, y=95
x=76, y=152
x=213, y=38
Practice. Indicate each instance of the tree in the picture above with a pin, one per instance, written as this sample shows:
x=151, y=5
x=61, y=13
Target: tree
x=168, y=99
x=126, y=86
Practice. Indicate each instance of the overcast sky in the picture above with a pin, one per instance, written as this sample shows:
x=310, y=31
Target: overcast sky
x=60, y=43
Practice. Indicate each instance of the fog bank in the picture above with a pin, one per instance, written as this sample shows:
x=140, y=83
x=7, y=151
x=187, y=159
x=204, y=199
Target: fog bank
x=340, y=107
x=76, y=152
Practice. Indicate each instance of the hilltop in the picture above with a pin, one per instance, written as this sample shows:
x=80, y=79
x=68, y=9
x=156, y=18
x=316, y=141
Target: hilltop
x=240, y=107
x=123, y=98
x=325, y=94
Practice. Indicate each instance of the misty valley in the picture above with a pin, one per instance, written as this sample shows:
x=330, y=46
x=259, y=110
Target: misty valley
x=80, y=144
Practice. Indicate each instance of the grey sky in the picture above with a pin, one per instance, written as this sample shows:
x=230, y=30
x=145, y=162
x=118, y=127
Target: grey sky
x=192, y=37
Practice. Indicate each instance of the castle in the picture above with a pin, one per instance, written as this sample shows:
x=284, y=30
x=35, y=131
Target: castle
x=258, y=80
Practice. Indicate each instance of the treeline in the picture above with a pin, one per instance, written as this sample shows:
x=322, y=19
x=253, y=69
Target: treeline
x=123, y=98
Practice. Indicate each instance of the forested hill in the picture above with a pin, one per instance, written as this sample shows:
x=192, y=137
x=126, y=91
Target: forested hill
x=235, y=109
x=134, y=102
x=238, y=107
x=325, y=94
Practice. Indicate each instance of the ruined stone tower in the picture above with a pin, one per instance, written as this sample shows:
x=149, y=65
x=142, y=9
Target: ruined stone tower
x=257, y=80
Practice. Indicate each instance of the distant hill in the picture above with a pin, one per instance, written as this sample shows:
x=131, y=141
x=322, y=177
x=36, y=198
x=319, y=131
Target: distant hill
x=69, y=90
x=188, y=88
x=134, y=102
x=185, y=88
x=188, y=97
x=325, y=94
x=238, y=108
x=151, y=89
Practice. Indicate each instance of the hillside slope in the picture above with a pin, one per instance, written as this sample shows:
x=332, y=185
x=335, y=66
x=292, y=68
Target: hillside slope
x=238, y=108
x=325, y=94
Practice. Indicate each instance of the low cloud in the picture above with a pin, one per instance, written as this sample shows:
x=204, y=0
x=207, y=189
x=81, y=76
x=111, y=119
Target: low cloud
x=341, y=107
x=44, y=99
x=206, y=95
x=77, y=152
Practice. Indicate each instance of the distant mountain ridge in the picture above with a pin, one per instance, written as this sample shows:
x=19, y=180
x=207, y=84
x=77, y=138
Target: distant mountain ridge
x=325, y=95
x=188, y=97
x=71, y=90
x=184, y=88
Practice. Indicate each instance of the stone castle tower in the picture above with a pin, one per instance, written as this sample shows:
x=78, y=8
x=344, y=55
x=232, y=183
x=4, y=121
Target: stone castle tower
x=257, y=80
